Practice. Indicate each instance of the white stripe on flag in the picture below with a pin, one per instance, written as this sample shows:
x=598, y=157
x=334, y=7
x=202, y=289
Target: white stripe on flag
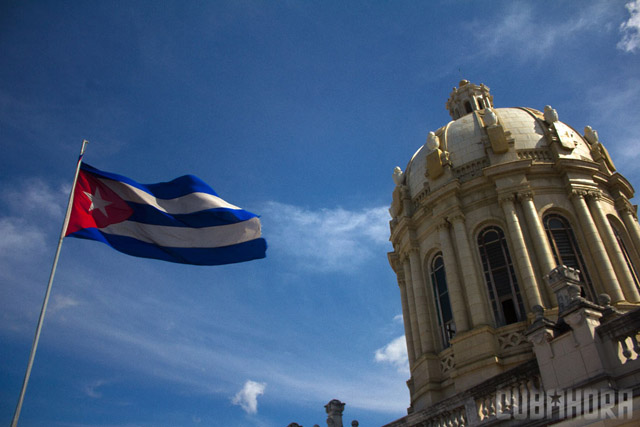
x=183, y=237
x=193, y=202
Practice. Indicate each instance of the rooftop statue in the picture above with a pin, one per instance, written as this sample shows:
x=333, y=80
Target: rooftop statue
x=433, y=142
x=591, y=135
x=550, y=114
x=398, y=175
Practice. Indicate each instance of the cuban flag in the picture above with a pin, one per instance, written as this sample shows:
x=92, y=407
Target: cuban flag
x=181, y=221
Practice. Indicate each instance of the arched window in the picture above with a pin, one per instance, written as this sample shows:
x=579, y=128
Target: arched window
x=500, y=277
x=626, y=255
x=443, y=306
x=566, y=250
x=467, y=106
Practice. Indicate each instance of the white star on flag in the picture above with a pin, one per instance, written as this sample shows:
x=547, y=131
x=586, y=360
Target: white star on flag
x=97, y=202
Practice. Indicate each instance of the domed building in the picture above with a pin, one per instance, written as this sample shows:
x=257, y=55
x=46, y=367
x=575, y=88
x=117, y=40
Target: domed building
x=517, y=253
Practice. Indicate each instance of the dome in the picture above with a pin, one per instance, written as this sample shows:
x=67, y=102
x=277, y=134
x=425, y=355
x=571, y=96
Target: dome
x=492, y=204
x=487, y=136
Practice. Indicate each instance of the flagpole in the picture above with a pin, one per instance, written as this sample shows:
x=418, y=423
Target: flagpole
x=36, y=338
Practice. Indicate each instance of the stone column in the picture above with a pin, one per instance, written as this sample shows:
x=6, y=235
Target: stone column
x=611, y=244
x=521, y=255
x=406, y=317
x=415, y=330
x=419, y=293
x=541, y=244
x=626, y=212
x=598, y=251
x=456, y=294
x=476, y=294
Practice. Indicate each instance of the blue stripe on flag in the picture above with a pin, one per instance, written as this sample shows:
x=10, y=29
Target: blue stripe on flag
x=178, y=187
x=246, y=251
x=206, y=234
x=207, y=218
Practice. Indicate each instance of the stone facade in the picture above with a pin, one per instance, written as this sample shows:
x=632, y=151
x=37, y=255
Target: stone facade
x=484, y=211
x=586, y=370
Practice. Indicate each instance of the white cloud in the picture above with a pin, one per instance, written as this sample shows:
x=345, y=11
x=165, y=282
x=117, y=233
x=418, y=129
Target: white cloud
x=394, y=353
x=630, y=29
x=18, y=236
x=61, y=302
x=37, y=197
x=529, y=33
x=247, y=398
x=91, y=390
x=29, y=211
x=326, y=239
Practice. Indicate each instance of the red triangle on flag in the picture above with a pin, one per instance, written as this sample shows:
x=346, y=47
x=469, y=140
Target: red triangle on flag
x=95, y=205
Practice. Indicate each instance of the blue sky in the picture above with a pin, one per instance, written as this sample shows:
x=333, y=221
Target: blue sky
x=295, y=110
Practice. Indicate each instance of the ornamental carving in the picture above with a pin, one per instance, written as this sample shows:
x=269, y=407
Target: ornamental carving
x=404, y=256
x=575, y=318
x=457, y=217
x=447, y=363
x=414, y=250
x=499, y=138
x=507, y=199
x=525, y=195
x=600, y=154
x=470, y=170
x=624, y=206
x=594, y=195
x=567, y=137
x=442, y=225
x=538, y=155
x=578, y=193
x=541, y=337
x=511, y=340
x=436, y=161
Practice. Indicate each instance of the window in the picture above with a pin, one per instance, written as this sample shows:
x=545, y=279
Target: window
x=443, y=306
x=467, y=106
x=500, y=277
x=627, y=257
x=565, y=249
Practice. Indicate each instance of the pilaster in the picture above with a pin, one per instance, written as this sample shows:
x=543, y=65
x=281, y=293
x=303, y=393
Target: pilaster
x=411, y=303
x=523, y=262
x=456, y=294
x=474, y=291
x=628, y=215
x=406, y=317
x=419, y=289
x=397, y=265
x=541, y=245
x=596, y=246
x=611, y=244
